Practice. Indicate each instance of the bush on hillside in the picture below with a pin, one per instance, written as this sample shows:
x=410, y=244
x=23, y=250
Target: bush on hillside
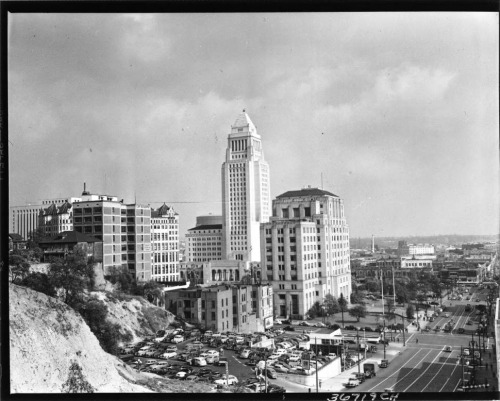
x=39, y=282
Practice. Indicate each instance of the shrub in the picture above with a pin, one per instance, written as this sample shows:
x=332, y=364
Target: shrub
x=39, y=282
x=76, y=382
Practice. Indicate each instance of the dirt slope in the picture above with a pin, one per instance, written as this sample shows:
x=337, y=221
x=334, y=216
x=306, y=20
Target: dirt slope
x=45, y=336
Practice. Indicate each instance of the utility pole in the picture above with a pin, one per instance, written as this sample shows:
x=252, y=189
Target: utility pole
x=359, y=362
x=383, y=308
x=265, y=379
x=316, y=350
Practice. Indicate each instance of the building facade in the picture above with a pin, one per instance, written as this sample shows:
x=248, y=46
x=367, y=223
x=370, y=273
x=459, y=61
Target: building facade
x=414, y=249
x=305, y=250
x=246, y=199
x=125, y=231
x=164, y=244
x=66, y=242
x=204, y=242
x=236, y=307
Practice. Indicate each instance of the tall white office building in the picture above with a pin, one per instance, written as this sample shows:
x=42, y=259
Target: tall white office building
x=246, y=199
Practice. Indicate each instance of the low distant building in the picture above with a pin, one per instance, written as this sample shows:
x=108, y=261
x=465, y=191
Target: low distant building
x=416, y=262
x=405, y=249
x=65, y=243
x=16, y=242
x=243, y=308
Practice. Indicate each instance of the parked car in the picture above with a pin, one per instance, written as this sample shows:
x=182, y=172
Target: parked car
x=461, y=330
x=169, y=354
x=227, y=382
x=278, y=321
x=447, y=348
x=271, y=373
x=199, y=361
x=289, y=328
x=177, y=339
x=279, y=367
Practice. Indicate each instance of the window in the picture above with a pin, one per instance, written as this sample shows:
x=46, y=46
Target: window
x=284, y=213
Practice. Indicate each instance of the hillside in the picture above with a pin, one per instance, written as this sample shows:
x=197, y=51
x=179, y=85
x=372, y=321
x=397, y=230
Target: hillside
x=46, y=336
x=134, y=314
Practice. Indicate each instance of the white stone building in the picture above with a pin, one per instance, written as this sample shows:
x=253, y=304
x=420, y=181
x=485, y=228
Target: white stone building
x=246, y=199
x=305, y=250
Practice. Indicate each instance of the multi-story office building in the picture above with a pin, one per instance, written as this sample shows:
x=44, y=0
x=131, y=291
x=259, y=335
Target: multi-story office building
x=237, y=307
x=24, y=219
x=245, y=192
x=204, y=242
x=305, y=250
x=125, y=231
x=164, y=244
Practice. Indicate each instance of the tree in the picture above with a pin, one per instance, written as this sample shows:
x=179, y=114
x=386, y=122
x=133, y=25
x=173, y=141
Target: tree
x=153, y=292
x=389, y=305
x=410, y=312
x=71, y=275
x=358, y=311
x=95, y=313
x=35, y=236
x=315, y=310
x=76, y=382
x=19, y=268
x=372, y=285
x=357, y=298
x=343, y=306
x=39, y=282
x=331, y=304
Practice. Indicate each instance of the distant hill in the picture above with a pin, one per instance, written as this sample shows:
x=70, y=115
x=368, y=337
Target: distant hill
x=392, y=242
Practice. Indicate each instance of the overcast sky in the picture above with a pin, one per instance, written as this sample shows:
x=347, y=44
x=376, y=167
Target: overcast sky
x=398, y=111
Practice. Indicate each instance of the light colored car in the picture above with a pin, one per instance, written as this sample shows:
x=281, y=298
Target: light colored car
x=240, y=340
x=447, y=348
x=446, y=314
x=277, y=321
x=177, y=339
x=182, y=374
x=212, y=359
x=279, y=351
x=169, y=354
x=294, y=358
x=227, y=382
x=279, y=367
x=245, y=353
x=212, y=352
x=199, y=361
x=466, y=351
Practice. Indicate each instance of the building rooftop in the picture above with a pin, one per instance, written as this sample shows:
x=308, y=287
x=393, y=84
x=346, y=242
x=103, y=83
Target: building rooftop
x=71, y=237
x=16, y=237
x=243, y=120
x=306, y=192
x=161, y=211
x=207, y=227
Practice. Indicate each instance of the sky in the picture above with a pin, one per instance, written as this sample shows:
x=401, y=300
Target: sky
x=396, y=113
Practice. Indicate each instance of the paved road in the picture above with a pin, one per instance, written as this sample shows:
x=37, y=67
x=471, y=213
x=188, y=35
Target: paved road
x=424, y=366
